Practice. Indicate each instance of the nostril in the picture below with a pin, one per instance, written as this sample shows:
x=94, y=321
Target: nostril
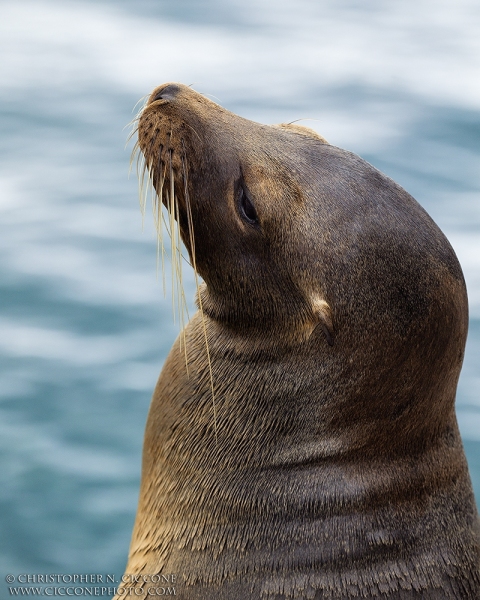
x=166, y=93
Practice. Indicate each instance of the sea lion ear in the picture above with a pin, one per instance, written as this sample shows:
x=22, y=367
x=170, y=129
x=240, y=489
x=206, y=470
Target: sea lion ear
x=306, y=131
x=324, y=318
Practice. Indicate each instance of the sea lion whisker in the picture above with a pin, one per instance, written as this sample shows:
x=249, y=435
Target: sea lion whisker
x=176, y=253
x=130, y=135
x=151, y=155
x=150, y=107
x=183, y=308
x=191, y=237
x=190, y=127
x=141, y=168
x=153, y=139
x=178, y=265
x=179, y=262
x=303, y=119
x=133, y=155
x=153, y=191
x=133, y=123
x=149, y=188
x=161, y=182
x=173, y=241
x=165, y=221
x=142, y=99
x=158, y=185
x=207, y=95
x=139, y=165
x=135, y=119
x=145, y=184
x=160, y=258
x=144, y=160
x=148, y=178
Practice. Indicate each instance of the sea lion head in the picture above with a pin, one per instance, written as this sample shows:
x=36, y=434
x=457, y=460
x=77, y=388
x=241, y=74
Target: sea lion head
x=301, y=242
x=246, y=202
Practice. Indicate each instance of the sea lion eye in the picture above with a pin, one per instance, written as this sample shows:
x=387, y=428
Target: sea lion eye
x=247, y=210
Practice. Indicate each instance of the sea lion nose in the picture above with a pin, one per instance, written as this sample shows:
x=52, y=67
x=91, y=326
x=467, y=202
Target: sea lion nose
x=165, y=92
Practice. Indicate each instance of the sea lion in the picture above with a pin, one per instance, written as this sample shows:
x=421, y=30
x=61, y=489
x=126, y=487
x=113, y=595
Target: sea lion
x=307, y=445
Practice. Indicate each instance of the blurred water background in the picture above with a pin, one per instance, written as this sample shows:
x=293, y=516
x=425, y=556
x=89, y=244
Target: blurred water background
x=84, y=327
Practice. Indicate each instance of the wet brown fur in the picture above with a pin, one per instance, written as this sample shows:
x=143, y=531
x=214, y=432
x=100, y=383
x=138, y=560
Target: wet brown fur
x=336, y=330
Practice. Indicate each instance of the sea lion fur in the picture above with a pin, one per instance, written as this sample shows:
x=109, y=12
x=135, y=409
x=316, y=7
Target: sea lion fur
x=326, y=461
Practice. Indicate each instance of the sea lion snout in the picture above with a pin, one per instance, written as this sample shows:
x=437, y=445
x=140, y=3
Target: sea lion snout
x=164, y=92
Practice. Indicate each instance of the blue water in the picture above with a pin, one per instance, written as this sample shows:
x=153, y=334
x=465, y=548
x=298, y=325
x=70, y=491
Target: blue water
x=84, y=327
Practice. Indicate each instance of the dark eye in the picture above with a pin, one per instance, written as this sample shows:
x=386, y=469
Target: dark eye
x=247, y=210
